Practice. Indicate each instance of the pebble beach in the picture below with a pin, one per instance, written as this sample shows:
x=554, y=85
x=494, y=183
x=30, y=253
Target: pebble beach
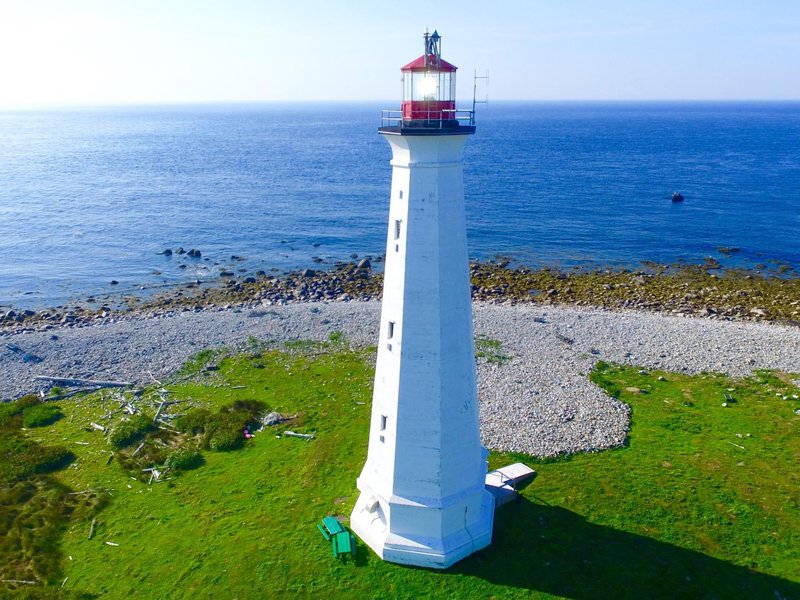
x=537, y=401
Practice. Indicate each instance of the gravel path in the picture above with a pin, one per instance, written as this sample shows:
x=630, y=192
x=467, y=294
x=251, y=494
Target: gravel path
x=539, y=402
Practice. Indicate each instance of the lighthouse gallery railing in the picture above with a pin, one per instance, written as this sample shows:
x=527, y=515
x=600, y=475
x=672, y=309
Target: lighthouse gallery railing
x=433, y=119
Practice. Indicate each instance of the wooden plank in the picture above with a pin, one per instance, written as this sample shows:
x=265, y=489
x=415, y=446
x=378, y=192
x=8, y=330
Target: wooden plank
x=92, y=382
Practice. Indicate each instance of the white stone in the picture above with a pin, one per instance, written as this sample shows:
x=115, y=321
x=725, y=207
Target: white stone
x=422, y=498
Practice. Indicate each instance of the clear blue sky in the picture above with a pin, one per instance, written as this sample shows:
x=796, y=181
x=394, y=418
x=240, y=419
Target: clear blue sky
x=172, y=51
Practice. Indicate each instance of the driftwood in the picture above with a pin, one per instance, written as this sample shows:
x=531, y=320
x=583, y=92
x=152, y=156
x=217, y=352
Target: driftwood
x=70, y=393
x=97, y=426
x=26, y=581
x=91, y=528
x=305, y=436
x=92, y=491
x=71, y=381
x=158, y=412
x=111, y=544
x=139, y=447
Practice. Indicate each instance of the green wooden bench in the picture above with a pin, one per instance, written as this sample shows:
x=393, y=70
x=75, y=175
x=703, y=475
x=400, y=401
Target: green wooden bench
x=344, y=543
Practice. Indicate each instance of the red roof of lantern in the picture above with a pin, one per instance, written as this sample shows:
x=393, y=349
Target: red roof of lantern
x=419, y=65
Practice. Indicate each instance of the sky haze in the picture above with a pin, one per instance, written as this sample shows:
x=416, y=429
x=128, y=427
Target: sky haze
x=88, y=52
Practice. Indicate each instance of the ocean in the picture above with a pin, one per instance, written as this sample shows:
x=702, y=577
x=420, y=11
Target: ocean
x=94, y=195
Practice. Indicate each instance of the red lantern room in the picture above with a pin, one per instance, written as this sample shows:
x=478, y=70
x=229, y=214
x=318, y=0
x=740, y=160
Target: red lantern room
x=429, y=96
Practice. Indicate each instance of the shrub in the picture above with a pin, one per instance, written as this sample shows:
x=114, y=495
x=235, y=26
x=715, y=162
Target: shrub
x=22, y=457
x=194, y=421
x=52, y=458
x=224, y=431
x=40, y=415
x=184, y=459
x=251, y=409
x=9, y=410
x=126, y=432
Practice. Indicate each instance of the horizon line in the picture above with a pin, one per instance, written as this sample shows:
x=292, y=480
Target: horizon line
x=388, y=103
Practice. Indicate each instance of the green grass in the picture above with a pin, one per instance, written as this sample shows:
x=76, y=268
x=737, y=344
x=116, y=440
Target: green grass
x=490, y=350
x=688, y=509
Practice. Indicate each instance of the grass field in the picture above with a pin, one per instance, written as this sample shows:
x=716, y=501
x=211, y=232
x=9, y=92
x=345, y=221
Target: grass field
x=701, y=503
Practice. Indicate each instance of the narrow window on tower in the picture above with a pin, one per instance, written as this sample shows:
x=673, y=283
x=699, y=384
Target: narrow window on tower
x=383, y=427
x=397, y=226
x=401, y=194
x=389, y=335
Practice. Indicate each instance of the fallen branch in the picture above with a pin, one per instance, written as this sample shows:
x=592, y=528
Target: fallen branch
x=112, y=544
x=158, y=412
x=139, y=447
x=97, y=426
x=305, y=436
x=73, y=382
x=92, y=491
x=91, y=528
x=71, y=393
x=19, y=581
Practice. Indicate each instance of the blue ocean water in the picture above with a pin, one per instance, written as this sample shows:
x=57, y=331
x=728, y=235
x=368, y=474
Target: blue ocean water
x=89, y=196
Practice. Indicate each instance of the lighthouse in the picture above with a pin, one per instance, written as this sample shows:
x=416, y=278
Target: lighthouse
x=422, y=498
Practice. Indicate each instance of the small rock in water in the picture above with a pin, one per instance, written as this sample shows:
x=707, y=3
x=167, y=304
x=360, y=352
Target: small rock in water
x=194, y=253
x=114, y=282
x=364, y=264
x=166, y=252
x=180, y=250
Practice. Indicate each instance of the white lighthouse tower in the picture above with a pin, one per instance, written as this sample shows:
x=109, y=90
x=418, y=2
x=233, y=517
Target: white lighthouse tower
x=422, y=498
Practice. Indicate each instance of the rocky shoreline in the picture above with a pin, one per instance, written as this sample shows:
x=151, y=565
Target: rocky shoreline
x=690, y=290
x=535, y=395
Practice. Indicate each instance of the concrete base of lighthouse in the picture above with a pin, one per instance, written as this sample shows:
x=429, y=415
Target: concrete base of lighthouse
x=433, y=535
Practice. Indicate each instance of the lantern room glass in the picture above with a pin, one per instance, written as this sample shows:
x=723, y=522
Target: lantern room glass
x=439, y=86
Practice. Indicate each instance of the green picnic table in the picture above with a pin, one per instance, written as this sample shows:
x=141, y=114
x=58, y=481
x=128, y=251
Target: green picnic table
x=342, y=541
